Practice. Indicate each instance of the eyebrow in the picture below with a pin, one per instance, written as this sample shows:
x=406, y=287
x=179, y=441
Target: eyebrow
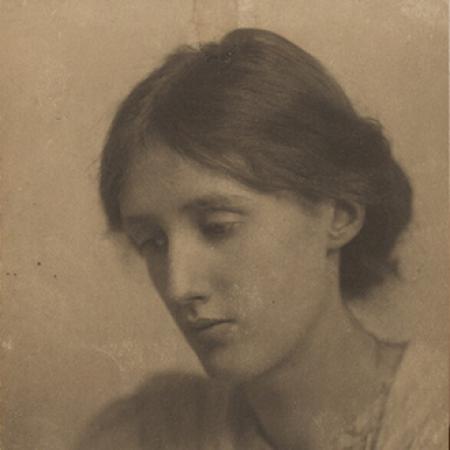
x=205, y=203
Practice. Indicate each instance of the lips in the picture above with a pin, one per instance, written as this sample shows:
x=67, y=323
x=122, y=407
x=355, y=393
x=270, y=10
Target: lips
x=211, y=332
x=204, y=324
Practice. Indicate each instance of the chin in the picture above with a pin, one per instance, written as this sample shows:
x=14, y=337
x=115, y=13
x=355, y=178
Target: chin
x=225, y=366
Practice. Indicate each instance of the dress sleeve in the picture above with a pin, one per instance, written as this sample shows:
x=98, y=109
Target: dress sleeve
x=434, y=434
x=114, y=428
x=168, y=412
x=416, y=415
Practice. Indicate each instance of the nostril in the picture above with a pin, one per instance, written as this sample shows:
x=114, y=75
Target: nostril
x=181, y=297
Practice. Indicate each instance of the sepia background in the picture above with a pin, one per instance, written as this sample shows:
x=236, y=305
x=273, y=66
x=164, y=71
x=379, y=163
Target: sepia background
x=80, y=322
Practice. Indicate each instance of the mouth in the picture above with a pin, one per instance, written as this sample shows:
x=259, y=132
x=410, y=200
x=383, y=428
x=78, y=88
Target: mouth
x=208, y=331
x=199, y=325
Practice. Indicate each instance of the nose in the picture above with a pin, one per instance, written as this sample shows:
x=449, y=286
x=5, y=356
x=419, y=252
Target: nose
x=185, y=273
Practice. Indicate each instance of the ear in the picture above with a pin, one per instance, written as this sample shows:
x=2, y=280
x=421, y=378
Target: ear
x=346, y=222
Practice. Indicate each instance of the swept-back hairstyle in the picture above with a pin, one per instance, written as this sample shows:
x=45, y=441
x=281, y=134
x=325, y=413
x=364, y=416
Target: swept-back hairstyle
x=259, y=108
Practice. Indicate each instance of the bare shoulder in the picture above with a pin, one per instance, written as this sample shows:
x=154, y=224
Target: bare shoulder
x=167, y=411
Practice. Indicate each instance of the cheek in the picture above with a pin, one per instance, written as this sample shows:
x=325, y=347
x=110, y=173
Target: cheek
x=275, y=297
x=269, y=277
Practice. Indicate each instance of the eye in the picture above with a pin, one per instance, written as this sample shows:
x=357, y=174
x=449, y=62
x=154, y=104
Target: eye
x=146, y=239
x=156, y=242
x=218, y=230
x=219, y=225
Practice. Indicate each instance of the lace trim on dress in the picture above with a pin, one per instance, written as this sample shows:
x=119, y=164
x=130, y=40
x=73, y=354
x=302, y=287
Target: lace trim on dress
x=362, y=435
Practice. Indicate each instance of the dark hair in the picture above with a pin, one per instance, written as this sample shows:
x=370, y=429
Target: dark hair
x=266, y=112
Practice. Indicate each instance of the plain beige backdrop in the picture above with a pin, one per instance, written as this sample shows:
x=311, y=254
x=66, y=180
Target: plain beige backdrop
x=81, y=324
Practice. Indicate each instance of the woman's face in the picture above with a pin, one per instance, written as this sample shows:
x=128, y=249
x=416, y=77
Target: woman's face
x=244, y=274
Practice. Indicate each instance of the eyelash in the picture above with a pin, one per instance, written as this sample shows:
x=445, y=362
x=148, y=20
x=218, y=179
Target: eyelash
x=218, y=230
x=214, y=231
x=158, y=243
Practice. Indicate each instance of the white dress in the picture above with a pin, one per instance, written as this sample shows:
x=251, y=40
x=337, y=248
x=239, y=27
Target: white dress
x=188, y=412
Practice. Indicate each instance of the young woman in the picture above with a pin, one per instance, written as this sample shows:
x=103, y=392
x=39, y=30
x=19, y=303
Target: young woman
x=262, y=203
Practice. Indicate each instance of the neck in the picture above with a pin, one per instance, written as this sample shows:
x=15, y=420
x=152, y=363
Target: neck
x=329, y=379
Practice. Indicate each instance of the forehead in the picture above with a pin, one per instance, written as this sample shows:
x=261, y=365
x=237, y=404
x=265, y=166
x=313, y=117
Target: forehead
x=161, y=178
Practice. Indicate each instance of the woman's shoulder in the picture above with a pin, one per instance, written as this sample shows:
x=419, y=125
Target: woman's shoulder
x=171, y=410
x=417, y=408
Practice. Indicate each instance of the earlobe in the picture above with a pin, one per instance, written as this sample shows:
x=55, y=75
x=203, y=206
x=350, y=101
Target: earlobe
x=346, y=222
